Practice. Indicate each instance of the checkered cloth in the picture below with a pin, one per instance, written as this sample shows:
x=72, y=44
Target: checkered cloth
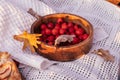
x=14, y=19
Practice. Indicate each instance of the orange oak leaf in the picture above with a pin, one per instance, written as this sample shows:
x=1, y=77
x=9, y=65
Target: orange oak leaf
x=30, y=40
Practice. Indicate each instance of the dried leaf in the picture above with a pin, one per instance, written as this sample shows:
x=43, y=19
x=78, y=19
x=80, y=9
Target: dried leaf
x=64, y=38
x=29, y=40
x=105, y=54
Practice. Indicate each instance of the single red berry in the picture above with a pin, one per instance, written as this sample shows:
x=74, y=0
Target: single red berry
x=64, y=25
x=85, y=36
x=50, y=25
x=50, y=43
x=55, y=32
x=56, y=36
x=51, y=38
x=48, y=32
x=80, y=31
x=57, y=26
x=70, y=24
x=75, y=40
x=43, y=26
x=71, y=30
x=76, y=27
x=60, y=20
x=80, y=37
x=62, y=31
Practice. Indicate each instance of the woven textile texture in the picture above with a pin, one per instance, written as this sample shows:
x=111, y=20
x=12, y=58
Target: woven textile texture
x=14, y=21
x=89, y=67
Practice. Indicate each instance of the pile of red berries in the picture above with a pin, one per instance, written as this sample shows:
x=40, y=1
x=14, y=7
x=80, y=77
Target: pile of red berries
x=50, y=31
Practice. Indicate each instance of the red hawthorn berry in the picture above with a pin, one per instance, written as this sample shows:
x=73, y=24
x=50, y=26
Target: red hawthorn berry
x=71, y=30
x=85, y=36
x=76, y=27
x=75, y=40
x=57, y=26
x=80, y=37
x=50, y=43
x=43, y=26
x=55, y=32
x=59, y=20
x=56, y=36
x=64, y=25
x=70, y=24
x=62, y=31
x=51, y=38
x=48, y=32
x=50, y=25
x=80, y=31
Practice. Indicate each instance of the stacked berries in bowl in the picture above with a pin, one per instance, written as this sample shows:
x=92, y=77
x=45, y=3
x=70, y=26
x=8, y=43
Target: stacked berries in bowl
x=50, y=31
x=77, y=31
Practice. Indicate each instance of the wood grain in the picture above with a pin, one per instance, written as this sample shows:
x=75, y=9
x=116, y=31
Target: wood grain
x=65, y=53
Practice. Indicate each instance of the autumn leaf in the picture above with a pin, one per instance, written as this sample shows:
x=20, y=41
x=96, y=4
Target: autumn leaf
x=105, y=54
x=30, y=40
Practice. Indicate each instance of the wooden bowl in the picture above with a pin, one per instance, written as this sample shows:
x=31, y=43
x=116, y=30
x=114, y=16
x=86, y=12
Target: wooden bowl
x=64, y=53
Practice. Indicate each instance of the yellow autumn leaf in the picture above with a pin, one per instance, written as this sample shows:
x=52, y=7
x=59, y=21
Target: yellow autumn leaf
x=29, y=40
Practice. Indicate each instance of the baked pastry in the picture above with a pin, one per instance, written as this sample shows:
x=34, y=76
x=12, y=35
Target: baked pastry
x=116, y=2
x=8, y=68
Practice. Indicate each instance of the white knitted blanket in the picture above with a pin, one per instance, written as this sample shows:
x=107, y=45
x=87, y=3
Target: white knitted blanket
x=101, y=14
